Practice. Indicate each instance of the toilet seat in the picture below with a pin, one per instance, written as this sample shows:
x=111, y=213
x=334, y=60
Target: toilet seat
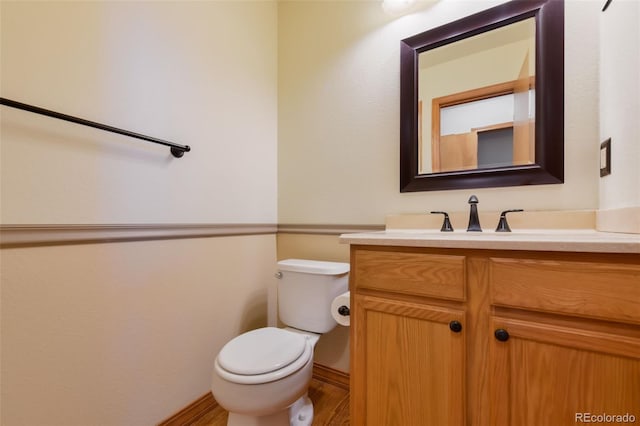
x=263, y=355
x=261, y=351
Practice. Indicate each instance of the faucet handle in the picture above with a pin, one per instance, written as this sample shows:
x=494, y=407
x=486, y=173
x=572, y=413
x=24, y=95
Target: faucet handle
x=503, y=226
x=446, y=225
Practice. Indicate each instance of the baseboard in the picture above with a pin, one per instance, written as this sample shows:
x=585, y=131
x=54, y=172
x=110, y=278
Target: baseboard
x=206, y=403
x=331, y=376
x=192, y=412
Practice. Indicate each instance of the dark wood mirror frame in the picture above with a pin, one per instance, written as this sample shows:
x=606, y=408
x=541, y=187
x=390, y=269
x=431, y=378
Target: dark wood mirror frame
x=549, y=108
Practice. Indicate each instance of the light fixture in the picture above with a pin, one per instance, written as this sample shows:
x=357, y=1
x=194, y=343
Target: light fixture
x=397, y=7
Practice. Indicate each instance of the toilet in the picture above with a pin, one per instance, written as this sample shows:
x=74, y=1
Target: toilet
x=262, y=376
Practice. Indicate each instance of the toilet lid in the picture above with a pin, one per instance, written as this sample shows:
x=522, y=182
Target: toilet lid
x=261, y=351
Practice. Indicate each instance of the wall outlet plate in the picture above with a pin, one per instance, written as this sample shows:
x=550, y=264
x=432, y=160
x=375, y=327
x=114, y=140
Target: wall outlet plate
x=605, y=158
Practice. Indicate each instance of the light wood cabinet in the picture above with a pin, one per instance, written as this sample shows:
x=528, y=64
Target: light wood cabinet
x=569, y=325
x=413, y=365
x=546, y=374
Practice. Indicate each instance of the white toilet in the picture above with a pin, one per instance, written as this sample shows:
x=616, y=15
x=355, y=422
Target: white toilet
x=261, y=377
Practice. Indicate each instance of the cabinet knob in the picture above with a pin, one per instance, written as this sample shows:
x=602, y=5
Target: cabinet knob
x=501, y=334
x=455, y=326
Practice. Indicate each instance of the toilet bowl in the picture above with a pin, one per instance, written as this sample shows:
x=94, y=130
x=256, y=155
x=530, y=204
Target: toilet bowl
x=262, y=376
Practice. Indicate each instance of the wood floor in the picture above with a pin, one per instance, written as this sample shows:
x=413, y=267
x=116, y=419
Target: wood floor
x=330, y=405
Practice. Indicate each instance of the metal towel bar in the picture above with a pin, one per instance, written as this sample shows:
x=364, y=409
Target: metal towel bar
x=176, y=149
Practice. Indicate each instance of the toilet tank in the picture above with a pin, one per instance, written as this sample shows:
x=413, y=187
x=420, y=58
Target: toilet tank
x=306, y=289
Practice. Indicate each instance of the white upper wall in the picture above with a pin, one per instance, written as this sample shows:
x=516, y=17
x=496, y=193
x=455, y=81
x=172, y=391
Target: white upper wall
x=202, y=74
x=620, y=103
x=338, y=120
x=316, y=104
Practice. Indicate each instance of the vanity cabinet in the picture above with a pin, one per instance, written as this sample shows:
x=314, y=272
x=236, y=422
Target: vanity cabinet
x=572, y=345
x=408, y=353
x=401, y=342
x=488, y=337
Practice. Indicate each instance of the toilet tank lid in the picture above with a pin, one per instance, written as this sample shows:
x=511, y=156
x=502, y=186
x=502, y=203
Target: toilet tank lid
x=313, y=266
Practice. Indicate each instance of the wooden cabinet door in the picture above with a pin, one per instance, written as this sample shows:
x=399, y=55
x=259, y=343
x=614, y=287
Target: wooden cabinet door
x=546, y=374
x=407, y=365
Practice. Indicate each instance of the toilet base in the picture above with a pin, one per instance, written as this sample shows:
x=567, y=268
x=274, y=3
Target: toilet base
x=278, y=419
x=300, y=413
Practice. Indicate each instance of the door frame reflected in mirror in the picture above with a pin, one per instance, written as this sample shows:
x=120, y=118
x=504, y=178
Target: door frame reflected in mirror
x=549, y=109
x=522, y=147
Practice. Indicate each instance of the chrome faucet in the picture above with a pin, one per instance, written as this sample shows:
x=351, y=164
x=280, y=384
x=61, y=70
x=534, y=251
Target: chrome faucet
x=474, y=222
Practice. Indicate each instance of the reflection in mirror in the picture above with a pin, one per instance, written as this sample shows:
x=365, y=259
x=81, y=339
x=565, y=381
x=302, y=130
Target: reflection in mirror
x=484, y=97
x=482, y=100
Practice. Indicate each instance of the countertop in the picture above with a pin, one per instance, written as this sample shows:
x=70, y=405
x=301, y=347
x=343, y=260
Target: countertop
x=537, y=240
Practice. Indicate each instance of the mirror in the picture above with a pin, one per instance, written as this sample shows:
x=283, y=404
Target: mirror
x=484, y=116
x=482, y=100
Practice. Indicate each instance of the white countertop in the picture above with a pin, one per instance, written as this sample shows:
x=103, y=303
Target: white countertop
x=530, y=239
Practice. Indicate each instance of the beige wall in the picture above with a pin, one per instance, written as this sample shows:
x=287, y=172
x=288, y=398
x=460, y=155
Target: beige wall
x=187, y=72
x=338, y=118
x=126, y=333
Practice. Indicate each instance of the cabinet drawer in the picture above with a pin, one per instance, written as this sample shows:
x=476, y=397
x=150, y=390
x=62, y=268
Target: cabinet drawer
x=588, y=289
x=420, y=274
